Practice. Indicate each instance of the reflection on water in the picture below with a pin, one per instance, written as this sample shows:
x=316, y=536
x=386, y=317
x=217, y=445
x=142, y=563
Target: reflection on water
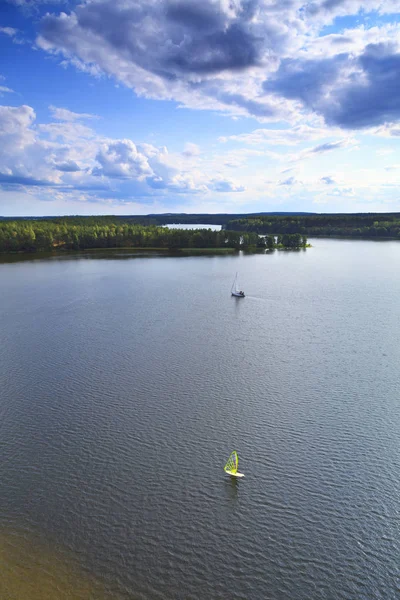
x=114, y=254
x=193, y=226
x=231, y=487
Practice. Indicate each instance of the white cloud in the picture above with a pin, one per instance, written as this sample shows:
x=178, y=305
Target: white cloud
x=260, y=58
x=284, y=136
x=349, y=41
x=5, y=90
x=289, y=181
x=191, y=150
x=121, y=159
x=327, y=10
x=63, y=114
x=32, y=4
x=15, y=126
x=13, y=33
x=328, y=180
x=10, y=31
x=212, y=55
x=22, y=156
x=387, y=131
x=67, y=131
x=226, y=186
x=69, y=155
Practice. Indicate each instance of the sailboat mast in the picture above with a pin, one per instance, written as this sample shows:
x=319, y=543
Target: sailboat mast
x=234, y=287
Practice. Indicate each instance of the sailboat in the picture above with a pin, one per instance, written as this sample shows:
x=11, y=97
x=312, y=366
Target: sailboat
x=232, y=465
x=235, y=290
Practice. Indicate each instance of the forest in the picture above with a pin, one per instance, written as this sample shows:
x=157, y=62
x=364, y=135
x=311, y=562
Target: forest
x=81, y=233
x=367, y=225
x=362, y=225
x=280, y=230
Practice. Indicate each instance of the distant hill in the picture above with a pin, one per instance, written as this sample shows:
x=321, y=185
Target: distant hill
x=161, y=218
x=199, y=218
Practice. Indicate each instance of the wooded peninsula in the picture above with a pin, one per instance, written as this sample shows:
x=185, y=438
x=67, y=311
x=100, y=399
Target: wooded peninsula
x=239, y=232
x=83, y=233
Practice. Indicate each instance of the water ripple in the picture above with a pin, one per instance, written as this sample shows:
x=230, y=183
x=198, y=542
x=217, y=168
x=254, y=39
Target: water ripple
x=124, y=390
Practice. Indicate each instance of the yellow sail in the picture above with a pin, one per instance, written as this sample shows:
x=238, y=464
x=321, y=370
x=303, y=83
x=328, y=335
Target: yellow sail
x=232, y=464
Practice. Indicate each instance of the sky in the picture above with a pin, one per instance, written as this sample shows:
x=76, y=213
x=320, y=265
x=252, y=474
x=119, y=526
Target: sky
x=220, y=106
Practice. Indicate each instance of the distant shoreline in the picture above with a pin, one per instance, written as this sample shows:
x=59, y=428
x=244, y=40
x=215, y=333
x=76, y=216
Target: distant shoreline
x=7, y=257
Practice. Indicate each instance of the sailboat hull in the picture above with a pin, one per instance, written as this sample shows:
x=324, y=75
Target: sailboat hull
x=237, y=295
x=234, y=474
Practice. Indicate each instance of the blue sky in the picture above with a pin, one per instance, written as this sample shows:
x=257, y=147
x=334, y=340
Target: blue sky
x=143, y=106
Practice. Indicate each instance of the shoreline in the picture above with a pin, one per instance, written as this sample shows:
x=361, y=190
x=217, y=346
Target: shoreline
x=8, y=257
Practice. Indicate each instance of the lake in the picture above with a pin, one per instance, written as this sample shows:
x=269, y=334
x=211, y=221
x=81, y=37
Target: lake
x=193, y=226
x=127, y=381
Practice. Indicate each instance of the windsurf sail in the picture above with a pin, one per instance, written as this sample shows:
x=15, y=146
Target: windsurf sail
x=232, y=465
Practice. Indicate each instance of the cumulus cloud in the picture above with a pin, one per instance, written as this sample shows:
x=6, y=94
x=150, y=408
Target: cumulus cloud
x=176, y=49
x=374, y=97
x=70, y=156
x=305, y=80
x=349, y=92
x=216, y=54
x=336, y=8
x=268, y=59
x=121, y=159
x=15, y=127
x=28, y=157
x=68, y=166
x=22, y=156
x=66, y=131
x=257, y=57
x=349, y=41
x=169, y=39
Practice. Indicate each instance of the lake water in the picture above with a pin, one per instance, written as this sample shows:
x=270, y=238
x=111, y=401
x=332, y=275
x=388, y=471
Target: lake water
x=125, y=384
x=191, y=226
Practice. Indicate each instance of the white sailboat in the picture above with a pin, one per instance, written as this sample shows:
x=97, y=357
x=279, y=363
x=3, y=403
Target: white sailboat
x=235, y=289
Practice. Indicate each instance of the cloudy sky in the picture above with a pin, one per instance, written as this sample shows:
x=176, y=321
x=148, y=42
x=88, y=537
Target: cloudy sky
x=142, y=106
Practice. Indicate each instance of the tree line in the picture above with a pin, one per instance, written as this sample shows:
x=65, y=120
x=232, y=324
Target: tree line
x=311, y=224
x=80, y=233
x=332, y=225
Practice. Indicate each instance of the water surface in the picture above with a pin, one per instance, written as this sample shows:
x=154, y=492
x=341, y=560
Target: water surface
x=125, y=384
